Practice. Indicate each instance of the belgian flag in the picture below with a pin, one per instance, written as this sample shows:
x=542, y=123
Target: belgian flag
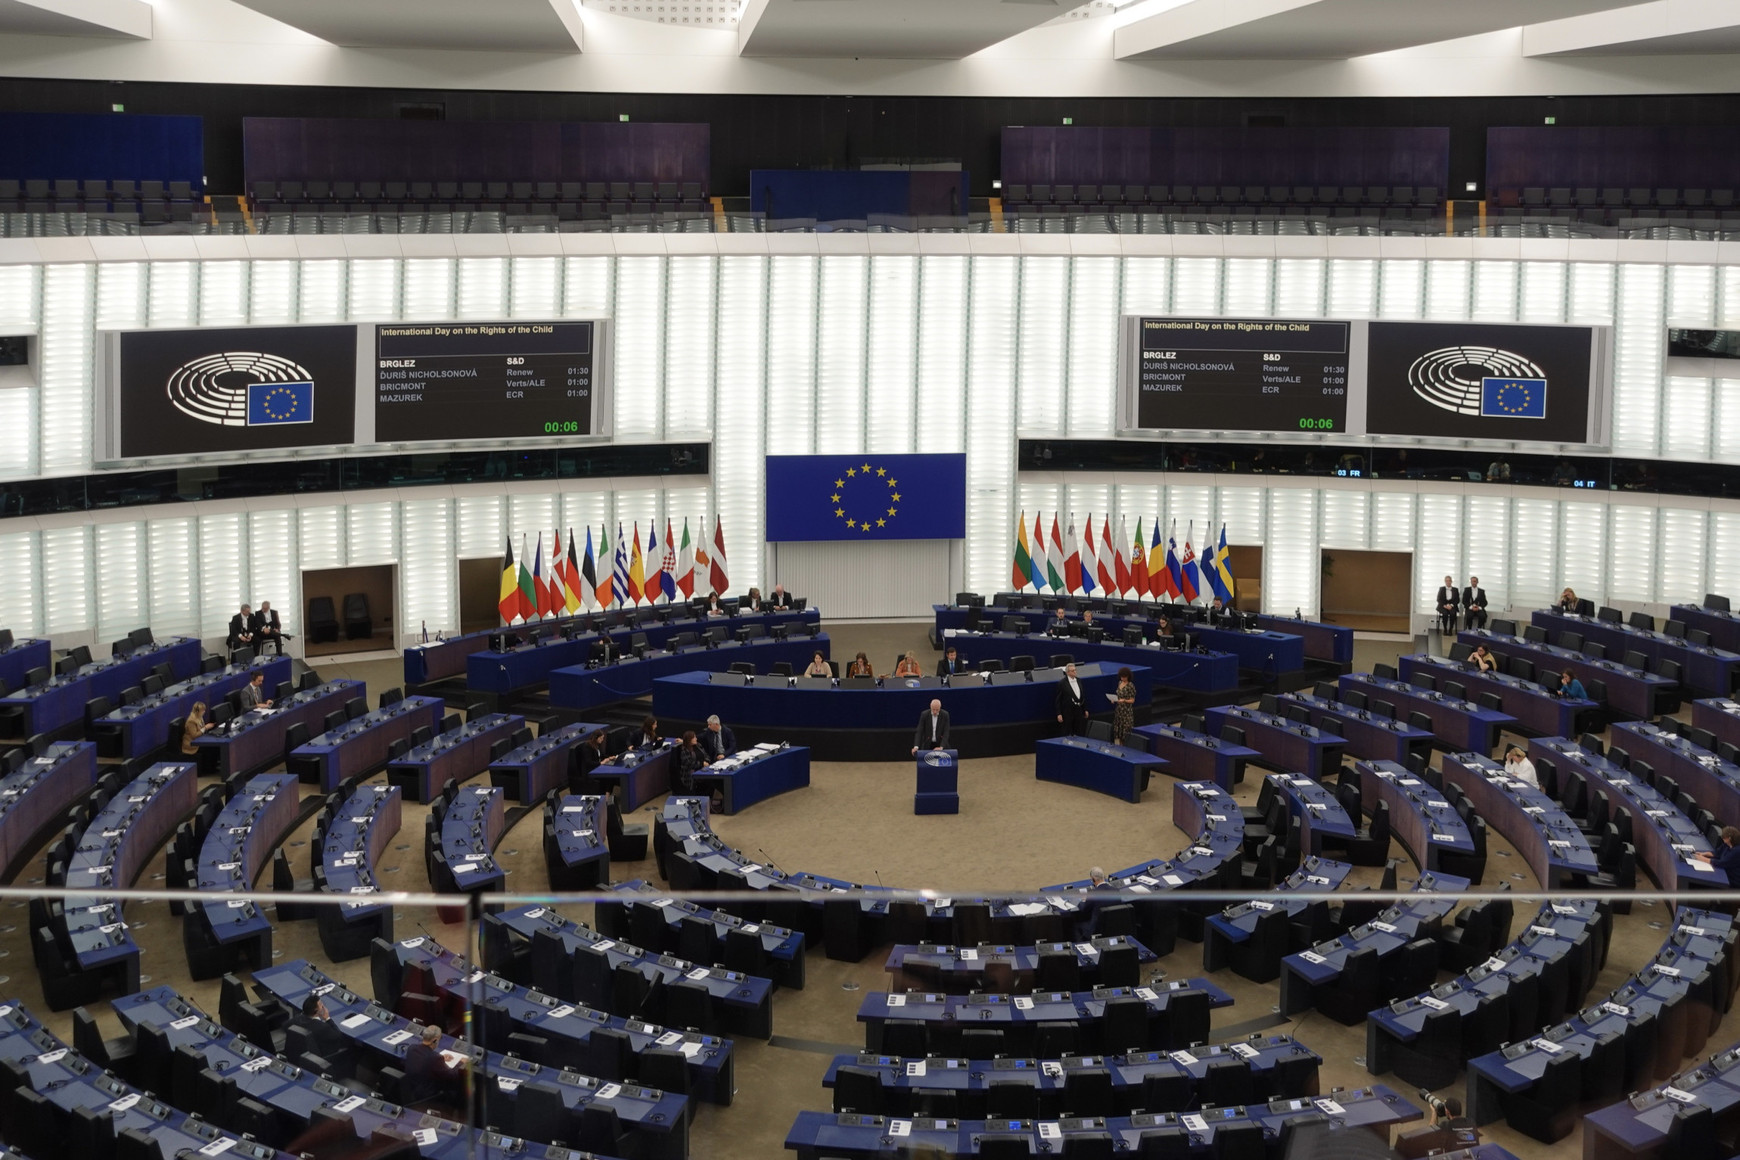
x=509, y=605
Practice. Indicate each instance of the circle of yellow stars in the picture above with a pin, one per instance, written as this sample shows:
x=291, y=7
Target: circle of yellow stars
x=863, y=524
x=1504, y=398
x=272, y=395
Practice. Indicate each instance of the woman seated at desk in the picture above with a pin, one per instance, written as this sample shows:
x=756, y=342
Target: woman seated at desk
x=197, y=726
x=860, y=667
x=1568, y=602
x=689, y=759
x=819, y=667
x=908, y=666
x=648, y=738
x=1483, y=660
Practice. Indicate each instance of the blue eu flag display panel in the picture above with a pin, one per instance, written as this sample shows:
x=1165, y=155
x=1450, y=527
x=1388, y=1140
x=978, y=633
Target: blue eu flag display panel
x=280, y=403
x=1514, y=398
x=866, y=497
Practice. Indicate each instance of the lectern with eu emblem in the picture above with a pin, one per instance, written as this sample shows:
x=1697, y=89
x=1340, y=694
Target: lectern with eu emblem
x=937, y=783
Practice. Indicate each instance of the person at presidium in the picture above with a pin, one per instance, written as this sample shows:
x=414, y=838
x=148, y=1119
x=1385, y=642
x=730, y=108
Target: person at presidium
x=779, y=598
x=907, y=666
x=951, y=664
x=1071, y=705
x=819, y=666
x=860, y=667
x=1124, y=713
x=933, y=728
x=1058, y=625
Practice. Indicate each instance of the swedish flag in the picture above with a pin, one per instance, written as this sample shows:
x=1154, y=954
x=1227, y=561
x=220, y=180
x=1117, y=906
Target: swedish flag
x=272, y=403
x=1512, y=398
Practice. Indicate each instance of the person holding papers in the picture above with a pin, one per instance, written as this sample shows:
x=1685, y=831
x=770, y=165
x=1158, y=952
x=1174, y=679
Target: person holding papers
x=254, y=693
x=197, y=726
x=933, y=729
x=1123, y=707
x=1726, y=859
x=1070, y=705
x=434, y=1079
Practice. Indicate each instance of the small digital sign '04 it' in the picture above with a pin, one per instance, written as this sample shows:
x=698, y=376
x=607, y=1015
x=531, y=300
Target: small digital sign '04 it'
x=1232, y=374
x=484, y=380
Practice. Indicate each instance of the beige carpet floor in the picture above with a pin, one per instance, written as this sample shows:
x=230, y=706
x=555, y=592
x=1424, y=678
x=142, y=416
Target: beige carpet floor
x=855, y=821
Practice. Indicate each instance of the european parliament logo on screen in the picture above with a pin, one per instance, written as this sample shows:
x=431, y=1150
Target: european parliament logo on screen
x=270, y=403
x=866, y=497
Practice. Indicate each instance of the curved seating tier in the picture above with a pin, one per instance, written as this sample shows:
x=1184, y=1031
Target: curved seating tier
x=1428, y=826
x=464, y=834
x=1637, y=1034
x=531, y=771
x=1252, y=936
x=1455, y=723
x=36, y=794
x=1285, y=745
x=1194, y=756
x=258, y=741
x=439, y=983
x=678, y=926
x=146, y=726
x=1256, y=1069
x=454, y=755
x=1368, y=734
x=1631, y=692
x=220, y=932
x=1275, y=1127
x=1538, y=711
x=1709, y=781
x=571, y=961
x=1540, y=830
x=1099, y=961
x=576, y=849
x=364, y=743
x=352, y=833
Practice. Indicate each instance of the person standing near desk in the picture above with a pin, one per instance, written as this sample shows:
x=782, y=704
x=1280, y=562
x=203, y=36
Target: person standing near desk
x=196, y=726
x=241, y=629
x=933, y=728
x=1474, y=604
x=717, y=741
x=431, y=1082
x=1124, y=714
x=1726, y=859
x=1070, y=705
x=267, y=629
x=951, y=664
x=1570, y=687
x=254, y=693
x=1449, y=600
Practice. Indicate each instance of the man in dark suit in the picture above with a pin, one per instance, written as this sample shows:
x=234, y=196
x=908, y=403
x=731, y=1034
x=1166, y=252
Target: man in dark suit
x=267, y=628
x=1449, y=600
x=1058, y=625
x=430, y=1084
x=1218, y=612
x=325, y=1040
x=254, y=693
x=952, y=664
x=714, y=607
x=1071, y=704
x=933, y=728
x=605, y=650
x=1474, y=604
x=717, y=741
x=241, y=629
x=779, y=599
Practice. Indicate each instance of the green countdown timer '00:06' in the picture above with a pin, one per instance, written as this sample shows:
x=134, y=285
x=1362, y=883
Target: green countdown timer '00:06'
x=1317, y=424
x=563, y=427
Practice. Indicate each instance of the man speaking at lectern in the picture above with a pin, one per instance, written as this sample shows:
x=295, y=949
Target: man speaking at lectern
x=933, y=729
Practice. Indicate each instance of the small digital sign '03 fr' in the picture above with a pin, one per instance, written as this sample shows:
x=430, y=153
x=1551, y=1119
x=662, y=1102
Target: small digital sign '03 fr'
x=488, y=380
x=1235, y=374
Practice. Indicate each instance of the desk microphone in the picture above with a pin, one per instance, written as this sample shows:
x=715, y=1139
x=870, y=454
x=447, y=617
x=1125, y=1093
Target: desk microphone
x=767, y=860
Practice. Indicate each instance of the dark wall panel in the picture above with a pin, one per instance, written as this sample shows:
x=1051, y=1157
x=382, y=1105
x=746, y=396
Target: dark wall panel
x=77, y=146
x=1621, y=156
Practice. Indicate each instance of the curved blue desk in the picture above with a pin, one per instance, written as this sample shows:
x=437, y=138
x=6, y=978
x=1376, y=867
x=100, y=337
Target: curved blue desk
x=754, y=775
x=1719, y=716
x=1193, y=756
x=1304, y=972
x=19, y=657
x=1546, y=837
x=60, y=701
x=540, y=765
x=255, y=741
x=1117, y=770
x=1421, y=818
x=576, y=849
x=578, y=687
x=656, y=921
x=1459, y=725
x=239, y=843
x=360, y=746
x=991, y=967
x=457, y=755
x=1286, y=746
x=1264, y=649
x=111, y=854
x=1247, y=939
x=356, y=836
x=1536, y=710
x=37, y=795
x=1323, y=642
x=1316, y=809
x=1631, y=692
x=1006, y=715
x=1713, y=782
x=470, y=829
x=1705, y=669
x=1204, y=672
x=143, y=729
x=1367, y=733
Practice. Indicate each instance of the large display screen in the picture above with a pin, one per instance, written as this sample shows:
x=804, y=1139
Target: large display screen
x=204, y=392
x=866, y=497
x=1470, y=380
x=484, y=380
x=1243, y=374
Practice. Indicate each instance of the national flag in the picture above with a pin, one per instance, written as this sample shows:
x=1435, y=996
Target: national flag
x=619, y=570
x=703, y=563
x=1126, y=579
x=721, y=580
x=558, y=582
x=668, y=565
x=1174, y=571
x=528, y=586
x=1139, y=563
x=1021, y=574
x=686, y=564
x=1160, y=581
x=1038, y=553
x=509, y=605
x=1107, y=567
x=1055, y=563
x=1071, y=560
x=540, y=590
x=1191, y=582
x=573, y=600
x=1088, y=583
x=587, y=589
x=1219, y=571
x=636, y=569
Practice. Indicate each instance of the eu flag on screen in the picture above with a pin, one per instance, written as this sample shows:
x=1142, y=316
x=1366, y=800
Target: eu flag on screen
x=273, y=403
x=1513, y=398
x=866, y=497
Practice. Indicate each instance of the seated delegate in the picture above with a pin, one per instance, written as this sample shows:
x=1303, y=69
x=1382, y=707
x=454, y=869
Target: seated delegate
x=860, y=667
x=779, y=599
x=1571, y=687
x=908, y=666
x=1483, y=659
x=819, y=666
x=197, y=726
x=267, y=628
x=1567, y=601
x=241, y=629
x=717, y=741
x=952, y=664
